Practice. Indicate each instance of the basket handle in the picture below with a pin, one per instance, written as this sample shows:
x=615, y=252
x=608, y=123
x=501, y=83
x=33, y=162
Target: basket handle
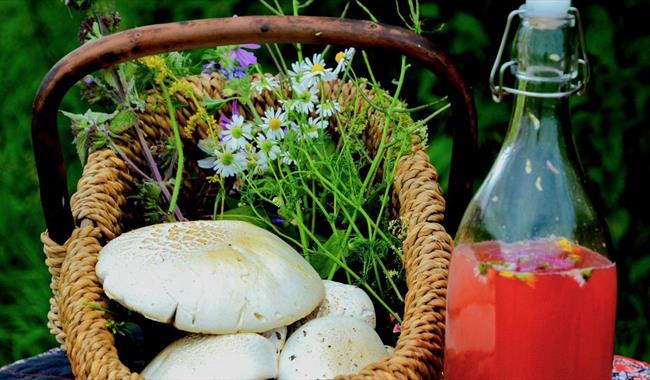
x=153, y=39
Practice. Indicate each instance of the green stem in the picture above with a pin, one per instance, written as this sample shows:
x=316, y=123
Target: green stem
x=270, y=8
x=331, y=187
x=301, y=229
x=281, y=57
x=384, y=133
x=295, y=6
x=178, y=181
x=365, y=9
x=354, y=275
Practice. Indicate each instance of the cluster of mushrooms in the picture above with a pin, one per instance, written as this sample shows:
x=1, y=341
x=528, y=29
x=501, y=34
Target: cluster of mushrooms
x=238, y=290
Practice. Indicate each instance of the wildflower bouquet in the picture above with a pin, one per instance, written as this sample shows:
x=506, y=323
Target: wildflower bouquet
x=287, y=152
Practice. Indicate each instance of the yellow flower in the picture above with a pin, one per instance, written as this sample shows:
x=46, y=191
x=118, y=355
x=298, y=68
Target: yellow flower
x=181, y=87
x=317, y=68
x=157, y=63
x=339, y=56
x=192, y=122
x=214, y=179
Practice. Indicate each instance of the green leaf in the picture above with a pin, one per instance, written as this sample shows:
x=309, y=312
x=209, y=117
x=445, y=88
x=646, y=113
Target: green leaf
x=123, y=121
x=99, y=141
x=80, y=145
x=213, y=105
x=75, y=117
x=90, y=117
x=335, y=245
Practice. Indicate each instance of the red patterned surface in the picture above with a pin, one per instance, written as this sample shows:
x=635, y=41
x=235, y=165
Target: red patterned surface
x=630, y=369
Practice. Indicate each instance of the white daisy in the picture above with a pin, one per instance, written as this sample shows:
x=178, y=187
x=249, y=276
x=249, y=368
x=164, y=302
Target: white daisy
x=328, y=108
x=226, y=163
x=268, y=147
x=318, y=122
x=272, y=123
x=256, y=162
x=298, y=71
x=304, y=97
x=268, y=83
x=208, y=145
x=317, y=70
x=311, y=130
x=236, y=134
x=342, y=59
x=286, y=159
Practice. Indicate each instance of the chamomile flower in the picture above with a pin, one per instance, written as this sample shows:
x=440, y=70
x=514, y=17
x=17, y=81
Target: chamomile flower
x=256, y=163
x=298, y=71
x=208, y=146
x=264, y=83
x=236, y=134
x=343, y=58
x=309, y=132
x=285, y=158
x=224, y=162
x=269, y=148
x=311, y=129
x=304, y=97
x=328, y=108
x=317, y=70
x=272, y=123
x=317, y=122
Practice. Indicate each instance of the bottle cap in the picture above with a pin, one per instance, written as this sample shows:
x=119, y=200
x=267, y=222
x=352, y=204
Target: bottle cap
x=547, y=8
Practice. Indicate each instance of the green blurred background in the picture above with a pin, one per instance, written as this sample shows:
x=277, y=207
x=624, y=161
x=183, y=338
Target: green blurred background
x=610, y=127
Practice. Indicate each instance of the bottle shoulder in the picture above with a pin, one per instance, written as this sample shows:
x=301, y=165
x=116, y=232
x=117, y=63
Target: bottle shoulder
x=530, y=194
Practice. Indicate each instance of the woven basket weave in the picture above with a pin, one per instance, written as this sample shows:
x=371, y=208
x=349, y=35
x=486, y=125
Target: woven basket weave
x=101, y=209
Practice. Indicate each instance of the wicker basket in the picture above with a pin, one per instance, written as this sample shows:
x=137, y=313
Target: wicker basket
x=101, y=212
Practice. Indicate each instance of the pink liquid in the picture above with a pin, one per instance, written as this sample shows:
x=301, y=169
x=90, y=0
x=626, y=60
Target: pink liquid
x=542, y=309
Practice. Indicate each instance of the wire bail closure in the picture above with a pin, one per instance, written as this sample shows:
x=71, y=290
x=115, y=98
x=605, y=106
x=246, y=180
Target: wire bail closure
x=577, y=86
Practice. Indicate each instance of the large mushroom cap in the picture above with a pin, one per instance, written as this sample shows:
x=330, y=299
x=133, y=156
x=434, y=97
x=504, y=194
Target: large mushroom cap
x=328, y=347
x=216, y=277
x=205, y=357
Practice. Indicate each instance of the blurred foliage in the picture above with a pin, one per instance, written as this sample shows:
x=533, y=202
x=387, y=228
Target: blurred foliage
x=610, y=129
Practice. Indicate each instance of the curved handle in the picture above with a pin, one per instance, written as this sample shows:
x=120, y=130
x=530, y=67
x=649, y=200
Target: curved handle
x=153, y=39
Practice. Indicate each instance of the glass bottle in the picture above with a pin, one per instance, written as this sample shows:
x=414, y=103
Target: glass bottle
x=531, y=293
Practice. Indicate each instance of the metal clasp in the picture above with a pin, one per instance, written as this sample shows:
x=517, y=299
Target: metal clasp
x=576, y=87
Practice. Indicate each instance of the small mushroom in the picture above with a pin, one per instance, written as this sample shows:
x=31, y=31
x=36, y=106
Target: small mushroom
x=216, y=277
x=328, y=347
x=208, y=357
x=347, y=300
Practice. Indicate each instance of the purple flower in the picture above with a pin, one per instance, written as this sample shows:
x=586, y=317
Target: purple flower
x=245, y=58
x=225, y=121
x=209, y=67
x=278, y=220
x=231, y=73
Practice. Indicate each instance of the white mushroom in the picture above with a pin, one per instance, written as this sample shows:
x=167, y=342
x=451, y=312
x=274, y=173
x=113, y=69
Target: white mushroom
x=207, y=357
x=216, y=277
x=347, y=300
x=330, y=346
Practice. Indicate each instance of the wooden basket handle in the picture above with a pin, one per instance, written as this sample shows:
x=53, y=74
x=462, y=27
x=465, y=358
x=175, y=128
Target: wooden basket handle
x=154, y=39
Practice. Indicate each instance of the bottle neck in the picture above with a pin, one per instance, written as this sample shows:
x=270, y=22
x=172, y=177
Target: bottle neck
x=541, y=120
x=546, y=52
